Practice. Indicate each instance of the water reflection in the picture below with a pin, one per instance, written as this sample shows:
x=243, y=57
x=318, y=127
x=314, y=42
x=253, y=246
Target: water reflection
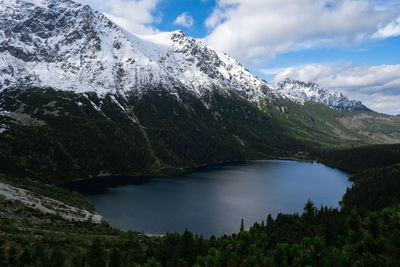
x=213, y=200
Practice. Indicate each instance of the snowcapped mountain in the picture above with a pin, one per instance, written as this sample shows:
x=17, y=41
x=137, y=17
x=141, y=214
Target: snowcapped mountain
x=68, y=46
x=98, y=100
x=313, y=92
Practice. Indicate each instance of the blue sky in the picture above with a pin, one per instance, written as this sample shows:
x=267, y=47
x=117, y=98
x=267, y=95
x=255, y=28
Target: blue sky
x=352, y=46
x=199, y=10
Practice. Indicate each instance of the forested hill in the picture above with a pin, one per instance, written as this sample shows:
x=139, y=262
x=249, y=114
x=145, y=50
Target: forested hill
x=80, y=97
x=364, y=233
x=360, y=158
x=58, y=136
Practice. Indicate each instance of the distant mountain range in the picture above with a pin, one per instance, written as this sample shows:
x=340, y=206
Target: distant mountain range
x=68, y=46
x=313, y=92
x=82, y=97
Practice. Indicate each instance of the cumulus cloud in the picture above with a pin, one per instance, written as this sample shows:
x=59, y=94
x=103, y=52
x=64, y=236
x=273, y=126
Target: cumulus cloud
x=390, y=30
x=216, y=18
x=136, y=16
x=184, y=20
x=248, y=29
x=309, y=72
x=377, y=86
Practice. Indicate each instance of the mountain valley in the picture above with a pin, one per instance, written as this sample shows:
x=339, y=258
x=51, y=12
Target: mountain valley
x=150, y=105
x=82, y=98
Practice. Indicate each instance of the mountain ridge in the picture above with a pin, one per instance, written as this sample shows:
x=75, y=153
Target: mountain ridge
x=313, y=92
x=80, y=97
x=68, y=46
x=85, y=51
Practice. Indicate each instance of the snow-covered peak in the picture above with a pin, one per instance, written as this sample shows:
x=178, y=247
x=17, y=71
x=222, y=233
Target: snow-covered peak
x=164, y=38
x=68, y=46
x=313, y=92
x=36, y=3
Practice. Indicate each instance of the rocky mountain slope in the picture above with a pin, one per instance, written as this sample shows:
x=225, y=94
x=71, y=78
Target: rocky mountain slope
x=18, y=196
x=313, y=92
x=68, y=46
x=80, y=97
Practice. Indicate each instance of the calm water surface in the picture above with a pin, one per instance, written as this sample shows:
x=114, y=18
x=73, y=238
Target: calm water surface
x=214, y=200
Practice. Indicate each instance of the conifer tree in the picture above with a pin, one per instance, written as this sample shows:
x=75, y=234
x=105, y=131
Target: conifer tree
x=309, y=210
x=12, y=256
x=57, y=257
x=40, y=255
x=270, y=222
x=187, y=247
x=115, y=258
x=3, y=257
x=152, y=262
x=25, y=258
x=96, y=254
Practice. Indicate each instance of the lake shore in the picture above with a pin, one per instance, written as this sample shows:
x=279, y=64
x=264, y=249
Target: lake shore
x=213, y=200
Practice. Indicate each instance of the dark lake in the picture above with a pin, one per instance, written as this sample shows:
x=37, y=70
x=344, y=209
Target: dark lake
x=214, y=200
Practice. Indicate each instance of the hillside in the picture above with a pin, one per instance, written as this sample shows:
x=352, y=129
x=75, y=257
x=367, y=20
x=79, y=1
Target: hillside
x=317, y=237
x=45, y=130
x=81, y=97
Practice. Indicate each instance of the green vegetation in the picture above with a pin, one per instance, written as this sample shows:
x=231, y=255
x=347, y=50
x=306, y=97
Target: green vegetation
x=360, y=158
x=162, y=134
x=53, y=137
x=373, y=190
x=363, y=233
x=111, y=142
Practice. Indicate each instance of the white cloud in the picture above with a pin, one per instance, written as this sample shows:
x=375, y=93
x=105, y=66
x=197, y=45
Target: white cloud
x=184, y=20
x=272, y=71
x=133, y=15
x=384, y=104
x=250, y=29
x=310, y=72
x=377, y=86
x=216, y=18
x=391, y=29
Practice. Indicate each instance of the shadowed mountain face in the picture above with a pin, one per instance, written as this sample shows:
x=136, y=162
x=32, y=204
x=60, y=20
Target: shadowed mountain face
x=80, y=97
x=58, y=136
x=81, y=135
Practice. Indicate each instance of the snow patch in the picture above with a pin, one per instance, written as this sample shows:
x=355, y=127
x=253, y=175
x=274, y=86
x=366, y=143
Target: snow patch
x=313, y=92
x=3, y=128
x=71, y=47
x=86, y=52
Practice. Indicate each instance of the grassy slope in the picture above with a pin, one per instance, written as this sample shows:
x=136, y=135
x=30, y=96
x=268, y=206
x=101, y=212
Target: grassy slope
x=322, y=127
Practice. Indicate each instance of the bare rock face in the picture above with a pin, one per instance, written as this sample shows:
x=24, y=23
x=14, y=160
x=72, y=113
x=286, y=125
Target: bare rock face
x=68, y=46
